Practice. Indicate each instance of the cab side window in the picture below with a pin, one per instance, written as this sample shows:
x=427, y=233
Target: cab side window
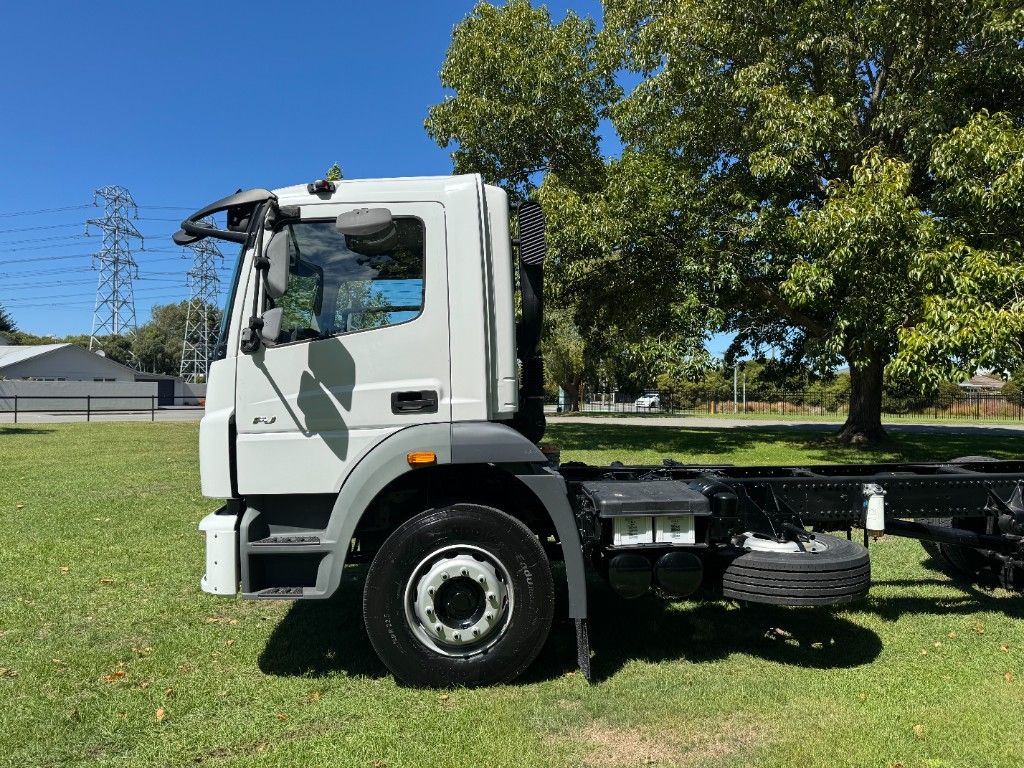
x=342, y=284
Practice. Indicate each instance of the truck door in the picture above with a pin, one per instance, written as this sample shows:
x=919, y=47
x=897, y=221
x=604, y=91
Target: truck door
x=363, y=351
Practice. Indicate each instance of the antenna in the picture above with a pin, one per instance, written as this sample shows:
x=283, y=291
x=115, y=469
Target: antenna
x=202, y=279
x=114, y=312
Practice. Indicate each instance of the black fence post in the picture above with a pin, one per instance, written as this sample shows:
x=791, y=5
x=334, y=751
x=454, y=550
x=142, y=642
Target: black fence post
x=15, y=409
x=152, y=408
x=88, y=407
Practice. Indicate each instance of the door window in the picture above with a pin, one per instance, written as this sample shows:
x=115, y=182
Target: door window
x=341, y=284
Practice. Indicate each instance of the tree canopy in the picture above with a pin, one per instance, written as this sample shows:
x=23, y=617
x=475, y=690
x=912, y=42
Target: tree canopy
x=6, y=321
x=841, y=180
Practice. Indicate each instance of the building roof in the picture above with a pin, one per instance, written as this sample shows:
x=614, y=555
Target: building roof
x=10, y=355
x=983, y=381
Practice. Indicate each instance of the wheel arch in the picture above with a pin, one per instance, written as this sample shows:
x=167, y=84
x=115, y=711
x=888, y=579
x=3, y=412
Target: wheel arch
x=382, y=491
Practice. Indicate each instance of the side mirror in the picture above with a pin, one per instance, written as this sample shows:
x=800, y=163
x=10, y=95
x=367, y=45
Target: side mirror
x=364, y=221
x=271, y=325
x=277, y=271
x=368, y=231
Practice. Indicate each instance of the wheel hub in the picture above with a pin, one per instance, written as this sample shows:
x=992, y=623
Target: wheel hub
x=458, y=600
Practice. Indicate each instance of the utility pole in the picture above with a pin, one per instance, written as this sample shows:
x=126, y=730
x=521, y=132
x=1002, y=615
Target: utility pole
x=735, y=392
x=114, y=311
x=204, y=285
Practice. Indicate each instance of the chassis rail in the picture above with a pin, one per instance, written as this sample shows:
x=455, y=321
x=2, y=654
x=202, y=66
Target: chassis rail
x=833, y=495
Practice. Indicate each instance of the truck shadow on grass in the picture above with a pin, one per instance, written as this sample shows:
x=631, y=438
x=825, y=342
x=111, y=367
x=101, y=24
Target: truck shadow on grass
x=967, y=599
x=655, y=631
x=324, y=638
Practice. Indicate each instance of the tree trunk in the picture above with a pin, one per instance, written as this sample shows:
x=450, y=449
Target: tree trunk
x=571, y=390
x=864, y=423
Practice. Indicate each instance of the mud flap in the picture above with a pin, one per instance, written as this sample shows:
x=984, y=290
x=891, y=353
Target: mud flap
x=583, y=649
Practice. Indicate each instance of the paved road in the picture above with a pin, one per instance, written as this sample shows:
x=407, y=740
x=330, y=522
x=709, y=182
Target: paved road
x=720, y=422
x=693, y=422
x=169, y=414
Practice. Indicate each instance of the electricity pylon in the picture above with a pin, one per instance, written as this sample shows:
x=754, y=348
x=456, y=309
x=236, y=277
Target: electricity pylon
x=200, y=333
x=114, y=312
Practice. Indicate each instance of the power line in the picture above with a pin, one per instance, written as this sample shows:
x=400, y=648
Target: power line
x=70, y=239
x=46, y=226
x=11, y=214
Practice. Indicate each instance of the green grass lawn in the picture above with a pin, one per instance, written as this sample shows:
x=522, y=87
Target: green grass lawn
x=111, y=655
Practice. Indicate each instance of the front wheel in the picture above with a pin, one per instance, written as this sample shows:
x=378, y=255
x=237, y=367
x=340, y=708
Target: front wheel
x=459, y=596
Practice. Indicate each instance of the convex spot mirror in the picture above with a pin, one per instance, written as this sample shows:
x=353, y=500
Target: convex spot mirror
x=271, y=325
x=277, y=271
x=368, y=230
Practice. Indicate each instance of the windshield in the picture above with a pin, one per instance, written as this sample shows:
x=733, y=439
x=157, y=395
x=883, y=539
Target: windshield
x=220, y=349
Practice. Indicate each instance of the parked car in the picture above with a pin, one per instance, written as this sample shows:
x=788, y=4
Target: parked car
x=649, y=401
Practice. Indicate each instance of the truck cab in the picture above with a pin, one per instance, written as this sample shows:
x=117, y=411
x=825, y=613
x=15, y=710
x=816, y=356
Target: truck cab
x=375, y=336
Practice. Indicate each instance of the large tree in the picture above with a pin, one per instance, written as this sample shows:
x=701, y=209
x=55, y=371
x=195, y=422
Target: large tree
x=855, y=171
x=528, y=95
x=840, y=180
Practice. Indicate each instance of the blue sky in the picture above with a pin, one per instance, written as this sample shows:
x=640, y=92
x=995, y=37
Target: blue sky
x=185, y=102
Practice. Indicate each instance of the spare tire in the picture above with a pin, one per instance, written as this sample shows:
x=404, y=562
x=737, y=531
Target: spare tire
x=826, y=571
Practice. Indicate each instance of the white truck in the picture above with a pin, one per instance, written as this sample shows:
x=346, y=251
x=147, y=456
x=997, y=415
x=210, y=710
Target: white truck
x=374, y=399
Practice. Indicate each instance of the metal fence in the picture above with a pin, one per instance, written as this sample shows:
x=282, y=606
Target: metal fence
x=88, y=406
x=974, y=406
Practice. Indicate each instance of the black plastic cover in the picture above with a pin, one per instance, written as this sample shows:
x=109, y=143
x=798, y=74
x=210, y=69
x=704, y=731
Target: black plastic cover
x=616, y=498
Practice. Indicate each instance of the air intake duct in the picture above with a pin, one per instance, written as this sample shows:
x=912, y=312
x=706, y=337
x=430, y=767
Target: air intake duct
x=529, y=419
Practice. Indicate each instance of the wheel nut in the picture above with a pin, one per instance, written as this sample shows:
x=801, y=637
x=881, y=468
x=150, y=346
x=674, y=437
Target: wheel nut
x=482, y=579
x=492, y=597
x=430, y=591
x=444, y=576
x=476, y=633
x=457, y=636
x=440, y=629
x=429, y=611
x=489, y=617
x=465, y=572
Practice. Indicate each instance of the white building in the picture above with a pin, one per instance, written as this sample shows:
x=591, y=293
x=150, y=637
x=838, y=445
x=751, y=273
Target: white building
x=72, y=363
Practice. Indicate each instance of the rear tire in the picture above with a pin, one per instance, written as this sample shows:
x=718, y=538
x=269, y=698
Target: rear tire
x=459, y=596
x=956, y=559
x=839, y=572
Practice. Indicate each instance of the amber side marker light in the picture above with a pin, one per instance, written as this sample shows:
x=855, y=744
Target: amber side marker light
x=421, y=458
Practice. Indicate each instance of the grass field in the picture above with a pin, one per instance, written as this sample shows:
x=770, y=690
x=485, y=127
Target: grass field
x=110, y=654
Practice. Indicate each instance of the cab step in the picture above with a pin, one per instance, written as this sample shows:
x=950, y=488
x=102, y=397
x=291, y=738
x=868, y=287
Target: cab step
x=286, y=540
x=278, y=593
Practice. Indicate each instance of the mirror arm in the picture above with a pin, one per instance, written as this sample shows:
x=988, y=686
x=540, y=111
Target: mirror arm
x=250, y=338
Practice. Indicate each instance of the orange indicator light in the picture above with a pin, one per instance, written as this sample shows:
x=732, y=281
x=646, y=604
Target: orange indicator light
x=421, y=458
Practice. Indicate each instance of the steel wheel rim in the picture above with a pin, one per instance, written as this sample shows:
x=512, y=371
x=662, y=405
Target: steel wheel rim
x=754, y=543
x=459, y=600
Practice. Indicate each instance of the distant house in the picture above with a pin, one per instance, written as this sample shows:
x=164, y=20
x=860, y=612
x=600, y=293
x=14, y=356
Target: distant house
x=70, y=362
x=982, y=382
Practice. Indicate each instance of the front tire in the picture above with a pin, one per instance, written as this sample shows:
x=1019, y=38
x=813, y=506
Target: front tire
x=459, y=596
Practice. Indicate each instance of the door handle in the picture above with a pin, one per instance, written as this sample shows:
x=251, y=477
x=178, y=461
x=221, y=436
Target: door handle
x=423, y=401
